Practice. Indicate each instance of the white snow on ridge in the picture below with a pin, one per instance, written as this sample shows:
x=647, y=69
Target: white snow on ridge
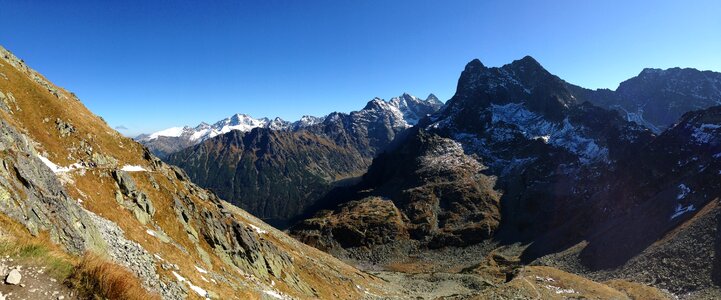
x=170, y=132
x=563, y=135
x=404, y=110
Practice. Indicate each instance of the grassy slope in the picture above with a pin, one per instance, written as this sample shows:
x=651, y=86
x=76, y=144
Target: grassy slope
x=38, y=110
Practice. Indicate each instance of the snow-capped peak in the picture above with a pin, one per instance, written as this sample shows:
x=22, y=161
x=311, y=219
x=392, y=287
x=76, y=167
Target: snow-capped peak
x=205, y=131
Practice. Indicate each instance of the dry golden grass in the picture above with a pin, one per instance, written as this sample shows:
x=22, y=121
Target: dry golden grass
x=539, y=282
x=96, y=188
x=96, y=278
x=637, y=291
x=91, y=276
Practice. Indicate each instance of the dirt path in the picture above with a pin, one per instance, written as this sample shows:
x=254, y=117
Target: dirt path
x=36, y=282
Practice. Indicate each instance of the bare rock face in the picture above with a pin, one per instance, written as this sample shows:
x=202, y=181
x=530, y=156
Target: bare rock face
x=31, y=193
x=138, y=202
x=13, y=277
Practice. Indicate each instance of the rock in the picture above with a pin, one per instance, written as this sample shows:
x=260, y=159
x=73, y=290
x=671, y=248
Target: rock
x=65, y=128
x=143, y=208
x=13, y=277
x=61, y=297
x=46, y=204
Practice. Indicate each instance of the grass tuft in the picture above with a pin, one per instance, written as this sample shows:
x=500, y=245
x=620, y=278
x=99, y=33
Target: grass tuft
x=96, y=278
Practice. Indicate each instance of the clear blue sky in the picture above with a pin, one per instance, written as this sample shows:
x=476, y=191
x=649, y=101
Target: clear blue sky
x=148, y=65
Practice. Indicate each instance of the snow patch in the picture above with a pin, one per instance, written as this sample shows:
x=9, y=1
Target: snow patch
x=274, y=294
x=257, y=229
x=58, y=169
x=705, y=133
x=563, y=134
x=680, y=210
x=170, y=132
x=559, y=290
x=683, y=191
x=150, y=233
x=201, y=270
x=132, y=168
x=198, y=290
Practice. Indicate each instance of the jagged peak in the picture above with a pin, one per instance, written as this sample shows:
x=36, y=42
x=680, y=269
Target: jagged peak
x=432, y=98
x=474, y=64
x=374, y=103
x=526, y=64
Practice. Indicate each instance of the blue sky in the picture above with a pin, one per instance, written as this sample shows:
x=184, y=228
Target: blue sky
x=148, y=65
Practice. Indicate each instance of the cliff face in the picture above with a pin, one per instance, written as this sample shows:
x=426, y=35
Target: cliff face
x=67, y=176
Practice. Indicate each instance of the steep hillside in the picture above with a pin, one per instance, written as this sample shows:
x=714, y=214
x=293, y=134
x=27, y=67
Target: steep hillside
x=67, y=179
x=278, y=174
x=273, y=174
x=658, y=219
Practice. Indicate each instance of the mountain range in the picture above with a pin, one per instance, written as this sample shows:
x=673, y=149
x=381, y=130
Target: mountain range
x=278, y=174
x=405, y=109
x=521, y=186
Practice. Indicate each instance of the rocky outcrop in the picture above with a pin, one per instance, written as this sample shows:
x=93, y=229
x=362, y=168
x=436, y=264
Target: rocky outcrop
x=363, y=223
x=129, y=196
x=31, y=194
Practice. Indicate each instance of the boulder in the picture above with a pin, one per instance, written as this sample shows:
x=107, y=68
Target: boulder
x=13, y=277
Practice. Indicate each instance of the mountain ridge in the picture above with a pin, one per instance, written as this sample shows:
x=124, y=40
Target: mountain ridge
x=165, y=142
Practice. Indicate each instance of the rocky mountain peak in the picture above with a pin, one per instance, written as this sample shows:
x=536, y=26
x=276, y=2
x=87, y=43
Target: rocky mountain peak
x=650, y=72
x=527, y=63
x=433, y=99
x=474, y=65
